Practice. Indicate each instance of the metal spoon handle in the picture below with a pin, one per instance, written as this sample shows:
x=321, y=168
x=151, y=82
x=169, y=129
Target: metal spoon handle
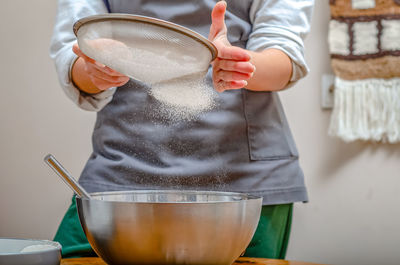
x=52, y=162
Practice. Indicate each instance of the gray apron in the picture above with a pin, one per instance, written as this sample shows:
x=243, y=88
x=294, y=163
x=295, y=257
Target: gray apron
x=242, y=145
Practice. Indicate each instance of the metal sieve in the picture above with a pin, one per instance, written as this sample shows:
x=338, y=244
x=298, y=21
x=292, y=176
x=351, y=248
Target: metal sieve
x=147, y=49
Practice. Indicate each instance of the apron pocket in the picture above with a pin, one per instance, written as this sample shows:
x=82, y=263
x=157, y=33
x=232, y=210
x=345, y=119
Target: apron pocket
x=268, y=133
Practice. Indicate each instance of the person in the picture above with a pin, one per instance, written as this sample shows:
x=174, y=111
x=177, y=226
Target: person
x=244, y=144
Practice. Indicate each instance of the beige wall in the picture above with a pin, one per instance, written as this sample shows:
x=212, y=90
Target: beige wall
x=36, y=118
x=353, y=216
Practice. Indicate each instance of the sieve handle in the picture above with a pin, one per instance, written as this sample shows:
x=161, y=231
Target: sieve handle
x=52, y=162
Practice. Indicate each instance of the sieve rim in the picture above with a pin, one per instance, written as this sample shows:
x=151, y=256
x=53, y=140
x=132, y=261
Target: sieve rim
x=150, y=20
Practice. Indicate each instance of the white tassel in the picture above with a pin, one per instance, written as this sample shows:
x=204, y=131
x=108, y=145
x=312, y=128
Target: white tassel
x=366, y=110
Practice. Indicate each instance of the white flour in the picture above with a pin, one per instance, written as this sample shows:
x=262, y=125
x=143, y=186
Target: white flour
x=184, y=97
x=35, y=248
x=173, y=64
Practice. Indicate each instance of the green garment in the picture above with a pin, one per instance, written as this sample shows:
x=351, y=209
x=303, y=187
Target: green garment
x=273, y=231
x=270, y=239
x=71, y=236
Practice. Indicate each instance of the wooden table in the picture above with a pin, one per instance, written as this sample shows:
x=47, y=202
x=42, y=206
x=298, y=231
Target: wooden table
x=240, y=261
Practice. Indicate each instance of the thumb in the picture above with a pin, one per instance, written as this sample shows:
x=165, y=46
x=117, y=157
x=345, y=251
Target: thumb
x=218, y=20
x=77, y=51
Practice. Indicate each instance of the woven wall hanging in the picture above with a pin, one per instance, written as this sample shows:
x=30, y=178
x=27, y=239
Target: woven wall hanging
x=364, y=43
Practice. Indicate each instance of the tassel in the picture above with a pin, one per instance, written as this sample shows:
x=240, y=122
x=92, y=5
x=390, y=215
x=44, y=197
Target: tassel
x=367, y=110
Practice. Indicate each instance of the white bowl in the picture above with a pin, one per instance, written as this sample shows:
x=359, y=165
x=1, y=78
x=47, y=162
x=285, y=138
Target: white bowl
x=47, y=252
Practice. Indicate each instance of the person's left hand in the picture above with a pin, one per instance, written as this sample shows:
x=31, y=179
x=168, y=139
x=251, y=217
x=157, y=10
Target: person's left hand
x=232, y=67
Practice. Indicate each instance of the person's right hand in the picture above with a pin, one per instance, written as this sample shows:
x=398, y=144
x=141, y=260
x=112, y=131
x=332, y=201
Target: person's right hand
x=94, y=74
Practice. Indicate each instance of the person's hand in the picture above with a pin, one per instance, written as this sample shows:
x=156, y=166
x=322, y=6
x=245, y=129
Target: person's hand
x=101, y=76
x=232, y=67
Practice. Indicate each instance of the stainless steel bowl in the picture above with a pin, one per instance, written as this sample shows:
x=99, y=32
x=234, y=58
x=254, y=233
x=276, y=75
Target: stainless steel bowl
x=169, y=227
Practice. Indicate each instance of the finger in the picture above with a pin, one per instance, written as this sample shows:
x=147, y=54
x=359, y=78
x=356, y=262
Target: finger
x=233, y=53
x=235, y=66
x=231, y=76
x=77, y=51
x=229, y=85
x=110, y=79
x=98, y=65
x=100, y=83
x=93, y=71
x=217, y=19
x=220, y=86
x=107, y=70
x=236, y=84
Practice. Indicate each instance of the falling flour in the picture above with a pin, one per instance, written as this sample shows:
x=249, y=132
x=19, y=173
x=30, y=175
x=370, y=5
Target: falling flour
x=185, y=97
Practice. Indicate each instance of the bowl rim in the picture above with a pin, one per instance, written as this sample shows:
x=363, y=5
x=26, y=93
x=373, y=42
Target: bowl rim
x=245, y=197
x=57, y=246
x=150, y=20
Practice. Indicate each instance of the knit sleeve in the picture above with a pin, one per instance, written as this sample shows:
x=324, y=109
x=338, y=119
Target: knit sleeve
x=69, y=11
x=282, y=25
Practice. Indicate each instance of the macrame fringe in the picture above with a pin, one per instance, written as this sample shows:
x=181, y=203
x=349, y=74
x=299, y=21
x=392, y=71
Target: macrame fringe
x=366, y=110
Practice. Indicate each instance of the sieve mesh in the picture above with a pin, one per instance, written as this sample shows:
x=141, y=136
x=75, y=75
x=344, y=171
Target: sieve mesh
x=146, y=49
